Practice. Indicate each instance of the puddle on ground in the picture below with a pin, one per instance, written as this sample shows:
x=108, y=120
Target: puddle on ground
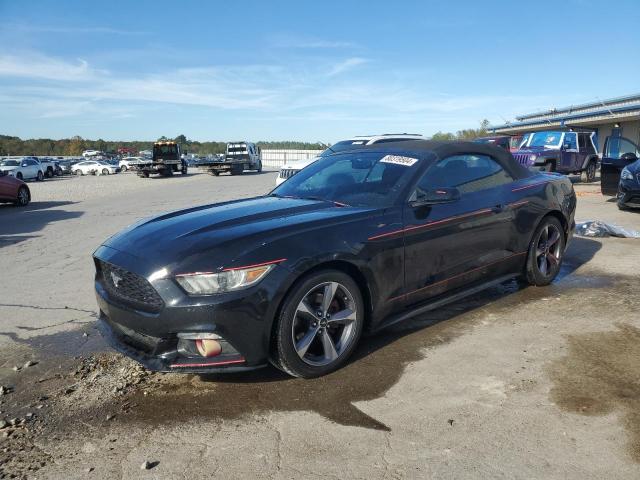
x=601, y=375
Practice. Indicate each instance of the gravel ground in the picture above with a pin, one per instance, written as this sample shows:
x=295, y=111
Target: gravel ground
x=512, y=383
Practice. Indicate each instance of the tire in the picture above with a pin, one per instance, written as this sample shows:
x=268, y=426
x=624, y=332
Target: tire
x=544, y=257
x=259, y=166
x=549, y=167
x=324, y=344
x=40, y=176
x=78, y=172
x=123, y=168
x=145, y=174
x=588, y=175
x=19, y=175
x=105, y=171
x=185, y=169
x=168, y=172
x=24, y=197
x=237, y=170
x=49, y=172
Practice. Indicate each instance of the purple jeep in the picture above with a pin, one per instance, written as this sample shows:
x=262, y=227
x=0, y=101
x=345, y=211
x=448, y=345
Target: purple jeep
x=559, y=151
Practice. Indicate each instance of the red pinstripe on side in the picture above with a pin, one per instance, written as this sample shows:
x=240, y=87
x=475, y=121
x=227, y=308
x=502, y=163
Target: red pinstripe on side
x=209, y=364
x=280, y=260
x=430, y=224
x=456, y=276
x=531, y=185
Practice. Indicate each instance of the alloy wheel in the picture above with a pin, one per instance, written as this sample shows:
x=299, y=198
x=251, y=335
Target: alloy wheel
x=324, y=324
x=23, y=196
x=548, y=249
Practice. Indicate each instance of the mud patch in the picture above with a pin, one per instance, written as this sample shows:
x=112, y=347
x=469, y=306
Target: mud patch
x=601, y=375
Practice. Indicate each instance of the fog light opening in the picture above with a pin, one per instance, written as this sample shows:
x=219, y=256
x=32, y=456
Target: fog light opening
x=208, y=348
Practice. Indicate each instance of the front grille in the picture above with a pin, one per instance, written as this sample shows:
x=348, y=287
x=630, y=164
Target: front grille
x=129, y=288
x=522, y=158
x=288, y=172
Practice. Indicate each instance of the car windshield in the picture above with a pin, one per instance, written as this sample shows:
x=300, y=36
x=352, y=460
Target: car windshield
x=545, y=139
x=365, y=179
x=342, y=146
x=9, y=163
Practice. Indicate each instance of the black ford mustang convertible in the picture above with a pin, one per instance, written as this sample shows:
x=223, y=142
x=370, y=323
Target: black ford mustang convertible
x=353, y=243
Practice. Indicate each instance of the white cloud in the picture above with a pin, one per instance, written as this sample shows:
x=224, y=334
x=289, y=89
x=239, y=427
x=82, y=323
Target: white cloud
x=39, y=66
x=345, y=65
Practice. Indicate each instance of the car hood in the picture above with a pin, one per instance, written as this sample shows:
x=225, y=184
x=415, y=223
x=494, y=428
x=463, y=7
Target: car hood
x=215, y=236
x=300, y=164
x=536, y=150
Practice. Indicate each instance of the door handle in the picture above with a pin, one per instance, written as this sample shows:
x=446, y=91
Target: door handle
x=498, y=208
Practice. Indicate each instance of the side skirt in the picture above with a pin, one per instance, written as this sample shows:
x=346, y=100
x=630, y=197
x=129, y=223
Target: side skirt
x=459, y=295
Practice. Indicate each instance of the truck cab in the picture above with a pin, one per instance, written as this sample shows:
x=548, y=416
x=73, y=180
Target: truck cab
x=246, y=155
x=166, y=159
x=559, y=151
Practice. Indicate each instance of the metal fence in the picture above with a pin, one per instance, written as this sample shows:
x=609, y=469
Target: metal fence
x=278, y=158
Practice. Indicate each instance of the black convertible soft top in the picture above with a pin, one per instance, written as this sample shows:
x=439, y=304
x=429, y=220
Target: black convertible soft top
x=447, y=149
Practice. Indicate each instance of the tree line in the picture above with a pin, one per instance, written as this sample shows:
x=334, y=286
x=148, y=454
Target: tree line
x=74, y=146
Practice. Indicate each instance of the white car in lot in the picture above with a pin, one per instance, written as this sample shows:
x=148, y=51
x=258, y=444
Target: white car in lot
x=27, y=168
x=291, y=169
x=90, y=167
x=128, y=163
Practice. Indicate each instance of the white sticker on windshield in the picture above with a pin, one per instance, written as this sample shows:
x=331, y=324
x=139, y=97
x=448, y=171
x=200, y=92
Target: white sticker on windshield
x=399, y=160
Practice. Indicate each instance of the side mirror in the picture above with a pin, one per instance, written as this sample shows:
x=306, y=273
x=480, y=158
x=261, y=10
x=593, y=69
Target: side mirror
x=24, y=165
x=435, y=196
x=629, y=157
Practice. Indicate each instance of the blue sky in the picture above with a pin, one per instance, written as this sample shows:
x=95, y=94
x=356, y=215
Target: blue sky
x=312, y=71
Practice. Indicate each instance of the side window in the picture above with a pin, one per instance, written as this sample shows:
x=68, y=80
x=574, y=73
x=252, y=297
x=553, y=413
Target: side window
x=618, y=146
x=468, y=173
x=570, y=141
x=32, y=162
x=582, y=141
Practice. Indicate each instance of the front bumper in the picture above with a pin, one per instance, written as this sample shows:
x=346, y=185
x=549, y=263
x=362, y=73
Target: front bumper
x=242, y=319
x=629, y=193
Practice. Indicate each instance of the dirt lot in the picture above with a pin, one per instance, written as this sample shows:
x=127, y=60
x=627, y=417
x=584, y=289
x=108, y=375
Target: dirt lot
x=512, y=383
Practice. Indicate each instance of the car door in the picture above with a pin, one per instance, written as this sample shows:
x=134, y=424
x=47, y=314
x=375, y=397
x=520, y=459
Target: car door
x=452, y=245
x=569, y=152
x=618, y=152
x=30, y=168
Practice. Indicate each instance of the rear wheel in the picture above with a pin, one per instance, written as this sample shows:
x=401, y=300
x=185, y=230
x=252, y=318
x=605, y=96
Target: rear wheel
x=319, y=326
x=237, y=170
x=19, y=175
x=23, y=197
x=40, y=176
x=49, y=172
x=545, y=252
x=589, y=173
x=78, y=172
x=105, y=171
x=123, y=168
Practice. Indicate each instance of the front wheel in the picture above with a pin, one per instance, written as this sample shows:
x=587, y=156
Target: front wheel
x=78, y=172
x=23, y=197
x=19, y=176
x=259, y=166
x=589, y=173
x=184, y=169
x=545, y=252
x=236, y=171
x=105, y=171
x=123, y=168
x=319, y=326
x=40, y=176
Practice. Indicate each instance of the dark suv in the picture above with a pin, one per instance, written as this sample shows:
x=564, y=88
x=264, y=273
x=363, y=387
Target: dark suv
x=559, y=151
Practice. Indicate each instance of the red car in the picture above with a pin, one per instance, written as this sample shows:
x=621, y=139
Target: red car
x=13, y=190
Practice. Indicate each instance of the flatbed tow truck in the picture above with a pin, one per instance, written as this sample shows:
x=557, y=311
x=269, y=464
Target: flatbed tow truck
x=166, y=160
x=239, y=156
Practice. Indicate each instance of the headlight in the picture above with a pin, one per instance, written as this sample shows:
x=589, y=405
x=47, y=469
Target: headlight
x=626, y=174
x=533, y=158
x=226, y=281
